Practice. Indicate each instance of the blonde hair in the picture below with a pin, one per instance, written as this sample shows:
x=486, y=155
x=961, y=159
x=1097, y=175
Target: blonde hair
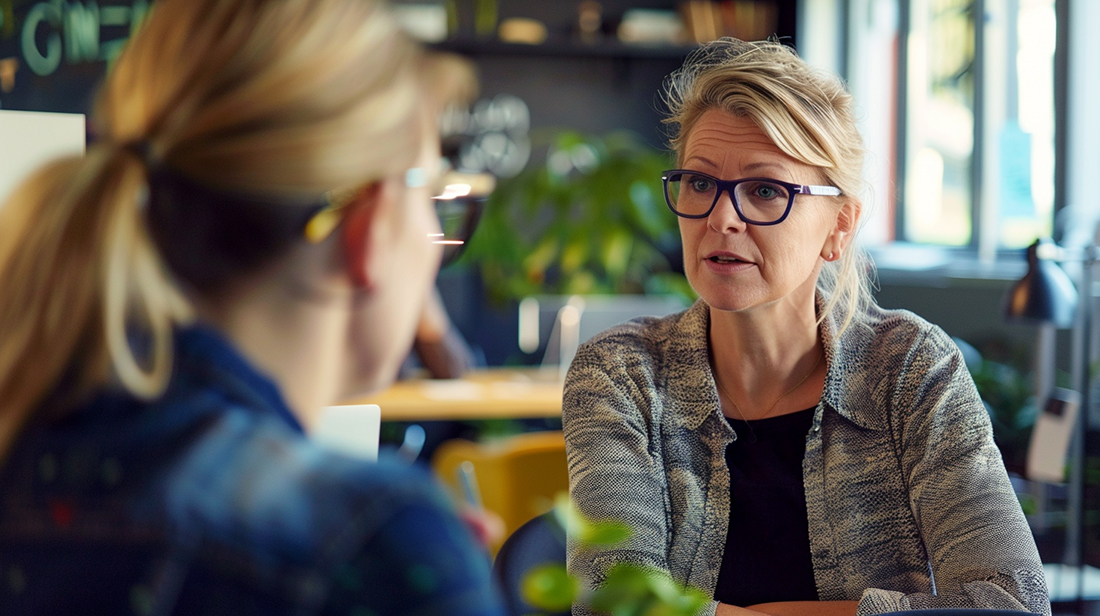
x=272, y=103
x=807, y=113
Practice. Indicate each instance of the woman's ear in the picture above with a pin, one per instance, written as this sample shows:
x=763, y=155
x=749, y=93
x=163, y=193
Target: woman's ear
x=838, y=240
x=359, y=235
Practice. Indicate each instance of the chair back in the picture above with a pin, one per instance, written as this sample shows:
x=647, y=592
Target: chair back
x=517, y=477
x=540, y=541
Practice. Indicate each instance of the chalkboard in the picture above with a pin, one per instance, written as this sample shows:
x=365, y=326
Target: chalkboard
x=54, y=53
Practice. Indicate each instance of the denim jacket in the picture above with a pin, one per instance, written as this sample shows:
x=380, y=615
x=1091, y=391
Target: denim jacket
x=210, y=500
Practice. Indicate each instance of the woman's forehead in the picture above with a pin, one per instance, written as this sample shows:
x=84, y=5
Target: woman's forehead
x=724, y=142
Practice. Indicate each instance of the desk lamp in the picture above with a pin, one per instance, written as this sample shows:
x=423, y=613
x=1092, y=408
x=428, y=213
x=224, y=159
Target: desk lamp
x=1046, y=295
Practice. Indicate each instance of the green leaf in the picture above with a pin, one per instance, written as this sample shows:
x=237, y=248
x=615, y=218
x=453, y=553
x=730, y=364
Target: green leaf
x=605, y=534
x=586, y=532
x=625, y=591
x=549, y=587
x=615, y=252
x=650, y=214
x=536, y=263
x=610, y=196
x=674, y=599
x=667, y=283
x=574, y=255
x=663, y=587
x=582, y=283
x=630, y=589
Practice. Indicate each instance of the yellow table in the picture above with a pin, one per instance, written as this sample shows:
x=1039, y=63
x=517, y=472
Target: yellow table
x=488, y=393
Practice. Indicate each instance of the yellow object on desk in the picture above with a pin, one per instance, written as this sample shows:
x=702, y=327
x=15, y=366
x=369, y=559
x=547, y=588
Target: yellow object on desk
x=488, y=393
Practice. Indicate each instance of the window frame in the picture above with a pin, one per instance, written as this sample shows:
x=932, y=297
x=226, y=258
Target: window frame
x=984, y=241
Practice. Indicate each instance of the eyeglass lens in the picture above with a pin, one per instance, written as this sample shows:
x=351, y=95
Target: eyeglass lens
x=457, y=220
x=758, y=200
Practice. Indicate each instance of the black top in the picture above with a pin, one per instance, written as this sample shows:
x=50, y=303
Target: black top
x=767, y=555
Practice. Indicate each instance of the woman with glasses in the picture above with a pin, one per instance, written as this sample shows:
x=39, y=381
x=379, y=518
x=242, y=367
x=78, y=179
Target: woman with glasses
x=785, y=444
x=251, y=239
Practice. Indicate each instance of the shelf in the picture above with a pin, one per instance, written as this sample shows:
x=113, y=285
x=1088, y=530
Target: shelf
x=566, y=49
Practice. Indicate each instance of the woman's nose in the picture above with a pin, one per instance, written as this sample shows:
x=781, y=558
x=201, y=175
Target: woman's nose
x=724, y=217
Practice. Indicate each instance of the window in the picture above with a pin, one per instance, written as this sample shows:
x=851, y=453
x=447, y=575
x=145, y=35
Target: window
x=956, y=101
x=938, y=156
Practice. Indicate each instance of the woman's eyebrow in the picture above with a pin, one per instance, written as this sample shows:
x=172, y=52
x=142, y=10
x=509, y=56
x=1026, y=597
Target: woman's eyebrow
x=766, y=165
x=705, y=161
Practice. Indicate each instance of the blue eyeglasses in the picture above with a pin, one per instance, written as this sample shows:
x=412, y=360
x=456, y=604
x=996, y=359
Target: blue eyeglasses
x=758, y=201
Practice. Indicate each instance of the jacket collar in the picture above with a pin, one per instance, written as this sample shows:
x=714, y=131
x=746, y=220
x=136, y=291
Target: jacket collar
x=206, y=357
x=848, y=389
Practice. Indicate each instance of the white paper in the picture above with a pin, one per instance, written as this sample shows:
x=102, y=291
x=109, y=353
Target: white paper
x=1049, y=448
x=352, y=429
x=30, y=138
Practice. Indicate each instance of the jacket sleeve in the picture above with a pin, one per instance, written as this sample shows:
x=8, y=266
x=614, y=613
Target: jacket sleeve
x=980, y=548
x=419, y=558
x=610, y=416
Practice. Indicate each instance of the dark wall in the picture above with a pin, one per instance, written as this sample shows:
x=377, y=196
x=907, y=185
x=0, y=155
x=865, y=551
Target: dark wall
x=54, y=54
x=589, y=94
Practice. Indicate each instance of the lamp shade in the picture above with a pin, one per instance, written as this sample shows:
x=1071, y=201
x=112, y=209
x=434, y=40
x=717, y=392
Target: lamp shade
x=1044, y=295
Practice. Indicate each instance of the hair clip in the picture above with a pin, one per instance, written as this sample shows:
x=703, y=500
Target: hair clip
x=322, y=223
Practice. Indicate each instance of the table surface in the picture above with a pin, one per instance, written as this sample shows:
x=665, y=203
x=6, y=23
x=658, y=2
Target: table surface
x=487, y=393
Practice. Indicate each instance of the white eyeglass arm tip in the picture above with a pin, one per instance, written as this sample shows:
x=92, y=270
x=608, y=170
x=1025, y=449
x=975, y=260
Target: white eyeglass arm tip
x=416, y=177
x=827, y=191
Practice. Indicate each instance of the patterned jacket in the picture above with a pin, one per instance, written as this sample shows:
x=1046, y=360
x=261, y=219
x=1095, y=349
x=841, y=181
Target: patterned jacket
x=908, y=501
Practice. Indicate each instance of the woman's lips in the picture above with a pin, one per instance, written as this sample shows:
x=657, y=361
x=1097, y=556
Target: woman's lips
x=727, y=263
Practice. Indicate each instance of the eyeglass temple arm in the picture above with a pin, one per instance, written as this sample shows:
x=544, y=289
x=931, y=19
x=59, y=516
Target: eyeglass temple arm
x=827, y=191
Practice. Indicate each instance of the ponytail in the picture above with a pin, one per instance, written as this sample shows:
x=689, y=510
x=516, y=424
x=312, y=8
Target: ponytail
x=81, y=278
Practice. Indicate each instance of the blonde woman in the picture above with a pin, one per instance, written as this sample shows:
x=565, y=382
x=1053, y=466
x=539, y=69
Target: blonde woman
x=785, y=444
x=249, y=241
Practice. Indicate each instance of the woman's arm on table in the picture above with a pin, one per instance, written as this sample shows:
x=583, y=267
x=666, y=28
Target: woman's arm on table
x=613, y=472
x=979, y=545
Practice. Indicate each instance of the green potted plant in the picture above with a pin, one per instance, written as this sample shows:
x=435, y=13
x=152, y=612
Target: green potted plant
x=628, y=590
x=591, y=220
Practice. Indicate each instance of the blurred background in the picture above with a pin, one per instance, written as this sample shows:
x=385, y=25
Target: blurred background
x=979, y=117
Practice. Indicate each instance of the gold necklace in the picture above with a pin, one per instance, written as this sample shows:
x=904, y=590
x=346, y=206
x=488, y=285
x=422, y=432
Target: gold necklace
x=771, y=408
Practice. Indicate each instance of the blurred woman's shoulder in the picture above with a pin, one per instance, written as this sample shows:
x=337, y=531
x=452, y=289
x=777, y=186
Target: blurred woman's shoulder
x=218, y=478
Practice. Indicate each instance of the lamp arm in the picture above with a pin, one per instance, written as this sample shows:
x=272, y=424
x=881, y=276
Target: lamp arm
x=1061, y=254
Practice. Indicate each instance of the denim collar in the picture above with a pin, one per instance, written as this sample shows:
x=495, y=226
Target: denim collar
x=203, y=352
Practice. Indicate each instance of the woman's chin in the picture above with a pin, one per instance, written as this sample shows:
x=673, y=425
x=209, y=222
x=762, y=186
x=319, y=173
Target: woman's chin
x=728, y=300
